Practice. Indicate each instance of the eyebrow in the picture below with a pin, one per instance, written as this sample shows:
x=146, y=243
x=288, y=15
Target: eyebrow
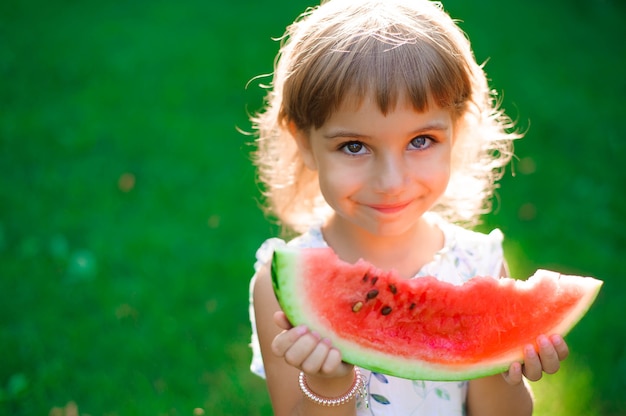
x=437, y=126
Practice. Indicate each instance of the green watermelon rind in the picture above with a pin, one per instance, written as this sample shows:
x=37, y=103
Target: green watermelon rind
x=286, y=265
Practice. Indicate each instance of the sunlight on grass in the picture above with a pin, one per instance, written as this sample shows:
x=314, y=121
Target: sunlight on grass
x=568, y=392
x=129, y=215
x=70, y=409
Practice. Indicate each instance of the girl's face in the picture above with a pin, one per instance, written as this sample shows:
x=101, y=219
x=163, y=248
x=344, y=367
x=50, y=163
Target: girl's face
x=381, y=172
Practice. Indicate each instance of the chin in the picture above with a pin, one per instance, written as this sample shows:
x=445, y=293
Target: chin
x=388, y=230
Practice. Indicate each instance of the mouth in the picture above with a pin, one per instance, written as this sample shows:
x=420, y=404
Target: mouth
x=389, y=208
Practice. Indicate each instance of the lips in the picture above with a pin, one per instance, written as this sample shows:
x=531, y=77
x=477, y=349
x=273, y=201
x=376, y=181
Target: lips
x=390, y=208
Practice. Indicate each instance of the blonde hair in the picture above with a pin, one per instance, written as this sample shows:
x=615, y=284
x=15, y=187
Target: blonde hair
x=387, y=49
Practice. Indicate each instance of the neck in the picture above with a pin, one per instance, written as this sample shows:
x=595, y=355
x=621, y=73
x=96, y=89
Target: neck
x=406, y=252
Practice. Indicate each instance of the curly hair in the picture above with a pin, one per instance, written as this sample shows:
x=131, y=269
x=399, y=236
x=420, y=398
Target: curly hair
x=385, y=49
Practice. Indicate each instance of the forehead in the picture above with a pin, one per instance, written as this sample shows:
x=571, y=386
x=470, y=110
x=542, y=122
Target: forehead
x=363, y=118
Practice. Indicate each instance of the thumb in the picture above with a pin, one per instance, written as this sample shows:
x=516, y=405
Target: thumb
x=514, y=375
x=281, y=320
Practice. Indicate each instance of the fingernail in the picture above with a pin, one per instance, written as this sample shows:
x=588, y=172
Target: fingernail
x=543, y=341
x=557, y=339
x=301, y=329
x=516, y=368
x=530, y=351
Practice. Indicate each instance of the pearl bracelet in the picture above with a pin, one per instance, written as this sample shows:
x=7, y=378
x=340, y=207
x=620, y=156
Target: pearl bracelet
x=355, y=389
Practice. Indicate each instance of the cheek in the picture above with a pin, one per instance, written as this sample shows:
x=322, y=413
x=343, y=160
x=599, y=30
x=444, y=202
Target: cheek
x=443, y=171
x=338, y=181
x=333, y=185
x=444, y=176
x=435, y=171
x=435, y=180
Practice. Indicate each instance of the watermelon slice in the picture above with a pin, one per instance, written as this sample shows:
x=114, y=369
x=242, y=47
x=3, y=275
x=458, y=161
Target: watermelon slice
x=423, y=328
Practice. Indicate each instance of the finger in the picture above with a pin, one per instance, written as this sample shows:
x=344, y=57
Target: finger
x=550, y=362
x=281, y=320
x=315, y=360
x=298, y=352
x=560, y=346
x=334, y=366
x=532, y=364
x=514, y=375
x=286, y=339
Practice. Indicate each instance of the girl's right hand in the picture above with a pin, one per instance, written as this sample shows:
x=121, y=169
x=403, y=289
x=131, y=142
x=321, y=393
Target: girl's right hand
x=307, y=351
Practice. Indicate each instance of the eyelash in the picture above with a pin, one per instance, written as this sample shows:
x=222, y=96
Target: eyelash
x=344, y=147
x=428, y=142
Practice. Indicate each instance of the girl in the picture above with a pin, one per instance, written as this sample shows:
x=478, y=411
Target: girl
x=379, y=137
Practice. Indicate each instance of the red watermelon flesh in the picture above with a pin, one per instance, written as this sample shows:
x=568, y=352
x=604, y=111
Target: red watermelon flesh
x=423, y=328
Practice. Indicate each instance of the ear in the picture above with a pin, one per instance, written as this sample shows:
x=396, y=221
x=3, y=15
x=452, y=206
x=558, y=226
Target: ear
x=304, y=145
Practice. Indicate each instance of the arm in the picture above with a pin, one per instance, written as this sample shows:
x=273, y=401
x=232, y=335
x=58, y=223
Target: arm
x=509, y=393
x=287, y=350
x=494, y=396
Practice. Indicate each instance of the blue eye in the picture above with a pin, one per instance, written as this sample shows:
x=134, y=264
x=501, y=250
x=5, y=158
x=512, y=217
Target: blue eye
x=421, y=142
x=353, y=148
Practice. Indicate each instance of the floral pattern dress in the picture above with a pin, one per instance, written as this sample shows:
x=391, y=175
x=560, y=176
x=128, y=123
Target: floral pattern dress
x=465, y=254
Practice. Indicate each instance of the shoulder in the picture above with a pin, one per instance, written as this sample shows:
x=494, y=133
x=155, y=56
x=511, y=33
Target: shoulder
x=467, y=239
x=261, y=289
x=474, y=240
x=312, y=238
x=473, y=253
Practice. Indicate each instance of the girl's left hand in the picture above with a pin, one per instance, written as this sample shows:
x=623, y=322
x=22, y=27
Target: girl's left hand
x=552, y=350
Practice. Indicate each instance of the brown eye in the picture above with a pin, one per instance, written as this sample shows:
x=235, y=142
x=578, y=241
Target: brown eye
x=353, y=148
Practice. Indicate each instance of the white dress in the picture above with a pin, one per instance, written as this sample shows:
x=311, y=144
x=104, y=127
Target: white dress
x=465, y=254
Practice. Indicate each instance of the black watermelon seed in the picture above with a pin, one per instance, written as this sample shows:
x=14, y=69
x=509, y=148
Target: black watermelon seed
x=371, y=294
x=366, y=277
x=412, y=306
x=374, y=280
x=393, y=289
x=386, y=310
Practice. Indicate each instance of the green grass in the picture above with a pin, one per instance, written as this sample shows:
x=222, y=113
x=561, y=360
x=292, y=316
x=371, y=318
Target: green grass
x=128, y=212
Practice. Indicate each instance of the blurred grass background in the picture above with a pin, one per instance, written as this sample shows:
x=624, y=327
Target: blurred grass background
x=128, y=212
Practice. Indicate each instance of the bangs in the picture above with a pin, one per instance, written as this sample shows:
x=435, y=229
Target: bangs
x=387, y=68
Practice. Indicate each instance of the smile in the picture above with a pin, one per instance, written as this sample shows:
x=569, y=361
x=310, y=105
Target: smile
x=390, y=208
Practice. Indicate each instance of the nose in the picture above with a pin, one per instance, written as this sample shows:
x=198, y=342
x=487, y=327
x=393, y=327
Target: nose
x=390, y=174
